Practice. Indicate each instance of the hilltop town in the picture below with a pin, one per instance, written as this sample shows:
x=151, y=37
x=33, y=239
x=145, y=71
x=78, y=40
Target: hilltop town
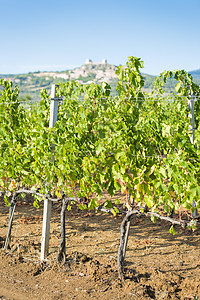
x=31, y=84
x=89, y=72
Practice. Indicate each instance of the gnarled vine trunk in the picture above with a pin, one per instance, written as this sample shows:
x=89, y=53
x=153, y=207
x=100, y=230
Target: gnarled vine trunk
x=124, y=232
x=11, y=215
x=61, y=257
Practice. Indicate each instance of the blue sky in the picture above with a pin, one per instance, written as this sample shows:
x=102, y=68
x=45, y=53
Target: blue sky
x=62, y=34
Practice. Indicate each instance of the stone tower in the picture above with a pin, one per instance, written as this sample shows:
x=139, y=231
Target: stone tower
x=88, y=61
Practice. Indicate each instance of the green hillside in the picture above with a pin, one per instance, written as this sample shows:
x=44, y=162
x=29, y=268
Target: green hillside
x=31, y=84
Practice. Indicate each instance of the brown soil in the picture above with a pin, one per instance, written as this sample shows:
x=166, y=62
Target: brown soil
x=158, y=265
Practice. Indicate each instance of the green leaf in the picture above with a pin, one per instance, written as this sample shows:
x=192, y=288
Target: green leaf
x=178, y=87
x=92, y=204
x=153, y=219
x=6, y=201
x=106, y=88
x=172, y=231
x=117, y=201
x=113, y=211
x=69, y=207
x=108, y=204
x=163, y=172
x=166, y=130
x=194, y=191
x=35, y=204
x=116, y=209
x=120, y=72
x=82, y=207
x=149, y=201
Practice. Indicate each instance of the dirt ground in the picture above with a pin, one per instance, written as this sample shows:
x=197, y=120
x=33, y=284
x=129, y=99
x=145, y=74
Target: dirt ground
x=158, y=265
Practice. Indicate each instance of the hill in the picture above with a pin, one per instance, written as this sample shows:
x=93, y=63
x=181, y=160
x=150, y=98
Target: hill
x=195, y=74
x=31, y=84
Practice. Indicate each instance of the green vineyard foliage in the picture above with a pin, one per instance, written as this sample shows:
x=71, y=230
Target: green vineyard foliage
x=137, y=143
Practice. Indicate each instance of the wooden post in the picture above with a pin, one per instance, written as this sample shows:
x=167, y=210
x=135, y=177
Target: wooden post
x=48, y=203
x=53, y=107
x=191, y=116
x=192, y=137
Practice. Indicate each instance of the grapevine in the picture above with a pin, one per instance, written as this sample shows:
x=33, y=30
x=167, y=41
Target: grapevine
x=135, y=143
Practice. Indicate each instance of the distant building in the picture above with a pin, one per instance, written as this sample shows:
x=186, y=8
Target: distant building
x=88, y=61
